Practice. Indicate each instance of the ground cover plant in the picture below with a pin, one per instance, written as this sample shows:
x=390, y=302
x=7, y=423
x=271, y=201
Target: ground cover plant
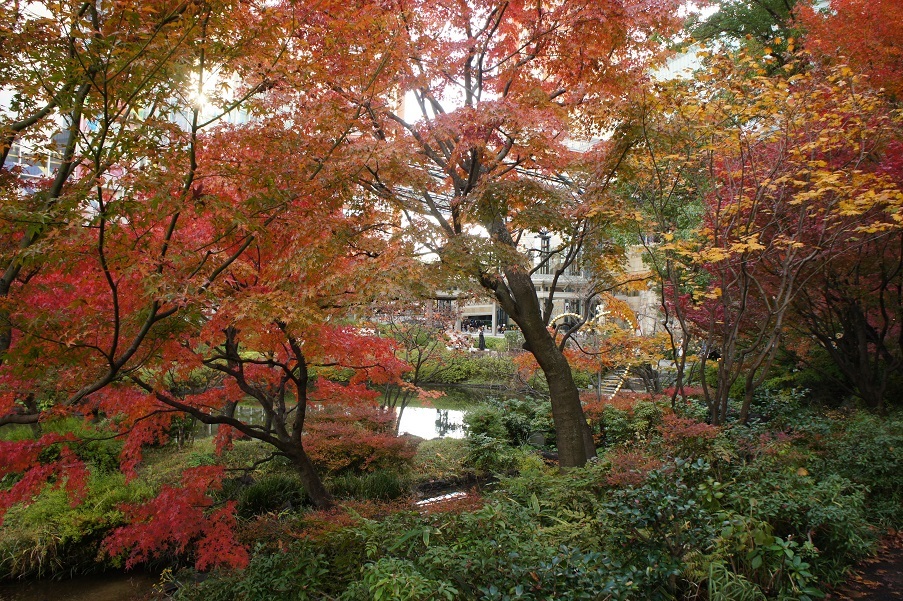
x=777, y=506
x=211, y=204
x=676, y=508
x=764, y=510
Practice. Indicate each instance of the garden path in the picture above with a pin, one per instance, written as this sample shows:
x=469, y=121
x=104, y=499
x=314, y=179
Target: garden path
x=878, y=578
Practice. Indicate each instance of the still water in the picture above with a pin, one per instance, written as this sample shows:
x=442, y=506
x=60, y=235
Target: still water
x=443, y=417
x=428, y=423
x=113, y=587
x=425, y=422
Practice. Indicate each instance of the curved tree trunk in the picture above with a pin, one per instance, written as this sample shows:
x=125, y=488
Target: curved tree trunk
x=572, y=433
x=318, y=494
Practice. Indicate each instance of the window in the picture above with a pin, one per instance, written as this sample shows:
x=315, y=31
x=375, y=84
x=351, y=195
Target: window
x=444, y=305
x=574, y=267
x=544, y=251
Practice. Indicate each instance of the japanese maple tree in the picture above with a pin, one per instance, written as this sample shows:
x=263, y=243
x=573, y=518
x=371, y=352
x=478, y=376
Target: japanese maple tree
x=865, y=35
x=466, y=120
x=175, y=263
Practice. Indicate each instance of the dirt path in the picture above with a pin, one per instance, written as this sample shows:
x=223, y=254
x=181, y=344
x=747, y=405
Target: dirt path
x=879, y=578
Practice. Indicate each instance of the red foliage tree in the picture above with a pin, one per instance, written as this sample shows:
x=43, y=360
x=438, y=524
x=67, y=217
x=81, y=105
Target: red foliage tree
x=866, y=34
x=173, y=263
x=498, y=90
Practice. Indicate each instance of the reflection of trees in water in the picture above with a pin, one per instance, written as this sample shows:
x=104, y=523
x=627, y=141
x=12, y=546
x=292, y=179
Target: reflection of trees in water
x=443, y=424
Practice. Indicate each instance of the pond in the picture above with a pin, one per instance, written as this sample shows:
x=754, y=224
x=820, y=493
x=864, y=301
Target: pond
x=444, y=417
x=112, y=587
x=438, y=418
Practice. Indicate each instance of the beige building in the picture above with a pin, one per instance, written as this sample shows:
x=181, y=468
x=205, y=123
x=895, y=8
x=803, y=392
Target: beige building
x=571, y=291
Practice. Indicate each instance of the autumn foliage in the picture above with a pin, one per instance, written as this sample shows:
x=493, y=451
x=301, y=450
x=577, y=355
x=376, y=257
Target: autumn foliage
x=178, y=519
x=787, y=175
x=865, y=34
x=355, y=438
x=228, y=189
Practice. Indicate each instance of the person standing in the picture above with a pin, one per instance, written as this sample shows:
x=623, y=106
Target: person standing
x=482, y=340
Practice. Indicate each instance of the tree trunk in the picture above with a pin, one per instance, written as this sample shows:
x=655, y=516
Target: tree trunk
x=650, y=377
x=318, y=494
x=573, y=434
x=748, y=390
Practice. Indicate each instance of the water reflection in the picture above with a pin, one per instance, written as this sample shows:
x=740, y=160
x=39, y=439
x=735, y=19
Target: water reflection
x=425, y=422
x=429, y=422
x=445, y=424
x=110, y=587
x=443, y=418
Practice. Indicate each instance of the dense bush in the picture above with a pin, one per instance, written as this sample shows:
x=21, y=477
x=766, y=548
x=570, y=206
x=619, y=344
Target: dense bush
x=272, y=492
x=296, y=573
x=513, y=420
x=627, y=418
x=51, y=537
x=355, y=438
x=662, y=524
x=496, y=428
x=477, y=369
x=514, y=340
x=383, y=485
x=674, y=509
x=867, y=450
x=441, y=458
x=721, y=513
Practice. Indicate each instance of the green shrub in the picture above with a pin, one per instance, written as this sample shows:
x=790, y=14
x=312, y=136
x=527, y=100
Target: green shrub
x=399, y=580
x=382, y=485
x=660, y=524
x=525, y=416
x=441, y=458
x=868, y=450
x=768, y=516
x=646, y=416
x=496, y=344
x=297, y=573
x=457, y=369
x=584, y=379
x=505, y=550
x=615, y=426
x=620, y=426
x=51, y=537
x=761, y=563
x=477, y=369
x=779, y=408
x=197, y=459
x=493, y=369
x=512, y=420
x=694, y=408
x=272, y=492
x=485, y=420
x=828, y=511
x=490, y=455
x=725, y=585
x=514, y=340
